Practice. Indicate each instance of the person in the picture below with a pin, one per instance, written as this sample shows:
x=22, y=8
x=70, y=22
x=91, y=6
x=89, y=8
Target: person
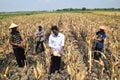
x=40, y=39
x=56, y=44
x=101, y=35
x=16, y=40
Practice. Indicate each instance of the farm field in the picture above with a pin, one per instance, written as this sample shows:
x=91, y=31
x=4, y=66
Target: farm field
x=77, y=62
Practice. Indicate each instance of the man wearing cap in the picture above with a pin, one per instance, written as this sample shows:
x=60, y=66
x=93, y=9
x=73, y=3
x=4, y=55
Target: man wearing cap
x=15, y=40
x=40, y=39
x=101, y=35
x=56, y=44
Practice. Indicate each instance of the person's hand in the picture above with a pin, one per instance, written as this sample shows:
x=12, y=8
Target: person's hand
x=57, y=54
x=60, y=53
x=39, y=36
x=99, y=39
x=20, y=45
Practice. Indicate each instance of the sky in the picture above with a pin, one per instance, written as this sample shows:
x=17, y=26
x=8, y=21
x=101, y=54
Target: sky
x=40, y=5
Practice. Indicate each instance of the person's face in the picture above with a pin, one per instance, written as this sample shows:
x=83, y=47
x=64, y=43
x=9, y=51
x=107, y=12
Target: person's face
x=101, y=30
x=40, y=28
x=14, y=29
x=55, y=32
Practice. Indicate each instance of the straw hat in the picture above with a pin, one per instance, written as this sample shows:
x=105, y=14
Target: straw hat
x=13, y=25
x=102, y=27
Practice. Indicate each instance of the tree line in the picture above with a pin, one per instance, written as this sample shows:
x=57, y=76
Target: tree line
x=84, y=9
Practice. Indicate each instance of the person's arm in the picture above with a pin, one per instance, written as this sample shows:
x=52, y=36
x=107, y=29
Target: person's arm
x=62, y=45
x=23, y=42
x=60, y=50
x=50, y=45
x=14, y=44
x=37, y=34
x=98, y=39
x=42, y=34
x=101, y=38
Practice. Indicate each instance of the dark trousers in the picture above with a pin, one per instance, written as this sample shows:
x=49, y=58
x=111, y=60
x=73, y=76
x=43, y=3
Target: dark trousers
x=97, y=55
x=42, y=46
x=55, y=64
x=20, y=56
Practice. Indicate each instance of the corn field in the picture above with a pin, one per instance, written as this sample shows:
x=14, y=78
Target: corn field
x=78, y=62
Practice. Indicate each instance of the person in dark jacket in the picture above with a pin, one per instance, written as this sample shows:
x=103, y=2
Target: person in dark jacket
x=15, y=40
x=101, y=35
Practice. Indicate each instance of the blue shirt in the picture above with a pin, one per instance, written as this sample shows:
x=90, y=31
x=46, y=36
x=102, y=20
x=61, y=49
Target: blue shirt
x=100, y=44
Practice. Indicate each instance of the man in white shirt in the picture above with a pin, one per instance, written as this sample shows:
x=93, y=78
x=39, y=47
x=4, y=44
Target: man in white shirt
x=56, y=44
x=40, y=39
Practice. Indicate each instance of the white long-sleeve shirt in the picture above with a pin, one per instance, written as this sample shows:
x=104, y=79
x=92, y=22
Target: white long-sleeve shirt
x=56, y=42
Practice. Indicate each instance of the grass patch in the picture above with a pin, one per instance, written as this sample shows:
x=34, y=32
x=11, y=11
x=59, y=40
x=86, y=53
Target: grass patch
x=13, y=14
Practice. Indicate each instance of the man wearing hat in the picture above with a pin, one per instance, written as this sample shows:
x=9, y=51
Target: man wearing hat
x=56, y=44
x=15, y=40
x=101, y=35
